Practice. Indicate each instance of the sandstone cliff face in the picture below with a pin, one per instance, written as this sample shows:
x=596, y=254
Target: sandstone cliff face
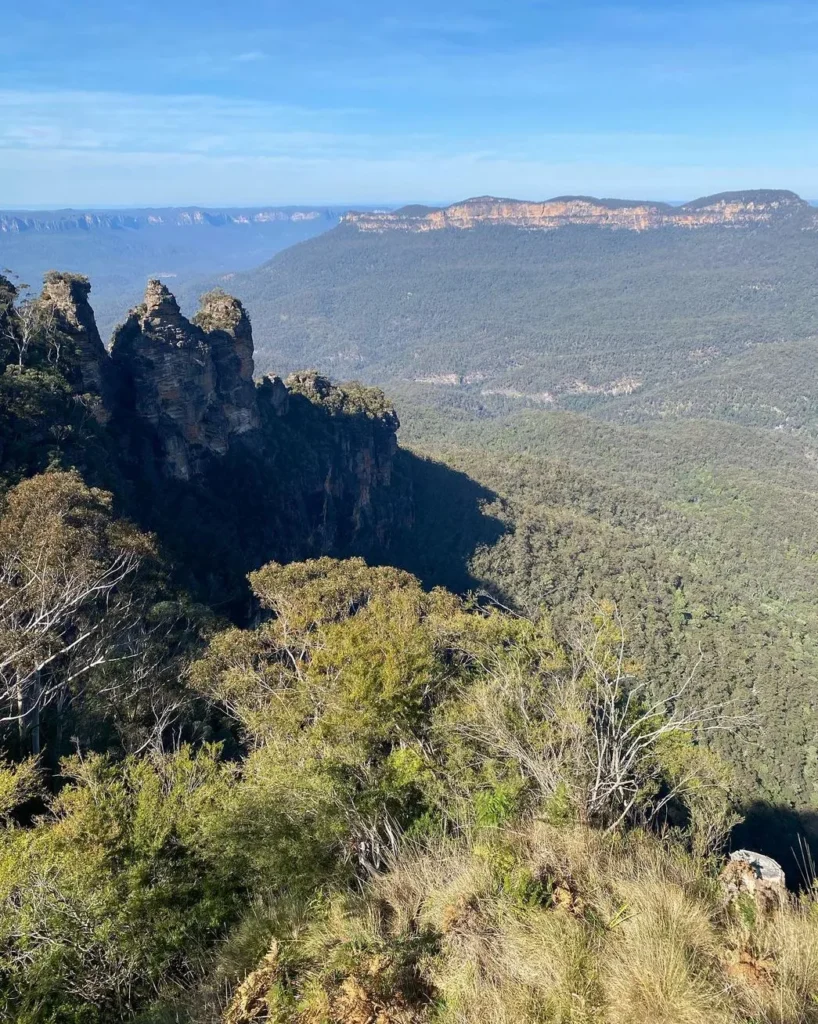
x=192, y=386
x=230, y=339
x=189, y=383
x=169, y=378
x=728, y=209
x=66, y=295
x=308, y=463
x=229, y=472
x=348, y=475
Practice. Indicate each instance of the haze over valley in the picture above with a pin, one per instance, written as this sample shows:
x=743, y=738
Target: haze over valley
x=120, y=249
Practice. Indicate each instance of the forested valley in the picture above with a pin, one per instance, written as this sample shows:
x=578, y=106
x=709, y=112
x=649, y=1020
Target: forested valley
x=639, y=408
x=303, y=725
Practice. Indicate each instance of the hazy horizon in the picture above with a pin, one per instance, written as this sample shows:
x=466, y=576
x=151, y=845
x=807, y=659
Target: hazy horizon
x=347, y=205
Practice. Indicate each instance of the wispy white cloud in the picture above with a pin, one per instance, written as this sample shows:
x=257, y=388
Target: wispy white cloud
x=118, y=122
x=133, y=123
x=144, y=142
x=418, y=99
x=250, y=57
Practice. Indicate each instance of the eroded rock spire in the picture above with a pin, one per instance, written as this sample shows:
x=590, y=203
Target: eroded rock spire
x=76, y=327
x=190, y=381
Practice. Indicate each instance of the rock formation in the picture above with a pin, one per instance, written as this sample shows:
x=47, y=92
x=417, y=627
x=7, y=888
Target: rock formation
x=763, y=868
x=66, y=297
x=755, y=876
x=347, y=475
x=229, y=472
x=192, y=386
x=276, y=470
x=733, y=209
x=188, y=385
x=230, y=338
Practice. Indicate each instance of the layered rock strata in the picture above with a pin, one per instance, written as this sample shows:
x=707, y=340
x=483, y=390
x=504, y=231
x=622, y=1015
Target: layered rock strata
x=61, y=221
x=732, y=209
x=192, y=386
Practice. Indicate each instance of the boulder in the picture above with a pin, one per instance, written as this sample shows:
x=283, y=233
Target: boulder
x=765, y=868
x=754, y=875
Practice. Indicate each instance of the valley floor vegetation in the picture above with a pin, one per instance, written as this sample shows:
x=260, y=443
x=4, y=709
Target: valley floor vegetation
x=640, y=409
x=420, y=809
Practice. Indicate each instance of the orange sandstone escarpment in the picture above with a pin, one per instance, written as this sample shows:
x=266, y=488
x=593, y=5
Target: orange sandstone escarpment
x=728, y=208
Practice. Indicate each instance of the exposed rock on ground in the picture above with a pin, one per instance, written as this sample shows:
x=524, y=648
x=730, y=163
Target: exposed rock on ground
x=757, y=876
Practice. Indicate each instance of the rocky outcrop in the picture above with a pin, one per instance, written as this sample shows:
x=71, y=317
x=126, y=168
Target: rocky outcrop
x=754, y=876
x=230, y=339
x=74, y=325
x=173, y=376
x=732, y=209
x=190, y=384
x=347, y=476
x=228, y=471
x=308, y=462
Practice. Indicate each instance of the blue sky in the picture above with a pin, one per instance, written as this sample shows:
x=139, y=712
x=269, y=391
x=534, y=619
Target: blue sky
x=105, y=103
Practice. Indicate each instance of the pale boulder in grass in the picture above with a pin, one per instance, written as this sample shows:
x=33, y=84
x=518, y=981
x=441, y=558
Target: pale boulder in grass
x=765, y=868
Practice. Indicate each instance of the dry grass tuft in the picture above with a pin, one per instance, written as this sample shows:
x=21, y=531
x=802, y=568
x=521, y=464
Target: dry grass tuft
x=781, y=986
x=550, y=925
x=660, y=965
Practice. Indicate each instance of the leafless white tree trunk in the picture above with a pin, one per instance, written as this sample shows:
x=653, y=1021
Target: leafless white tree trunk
x=135, y=690
x=58, y=621
x=593, y=728
x=33, y=321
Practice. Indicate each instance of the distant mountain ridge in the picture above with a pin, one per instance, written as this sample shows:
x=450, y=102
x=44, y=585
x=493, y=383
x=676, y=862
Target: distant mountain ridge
x=760, y=206
x=53, y=221
x=515, y=310
x=121, y=249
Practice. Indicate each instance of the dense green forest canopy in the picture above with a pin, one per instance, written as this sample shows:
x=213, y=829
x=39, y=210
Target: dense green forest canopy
x=703, y=532
x=534, y=312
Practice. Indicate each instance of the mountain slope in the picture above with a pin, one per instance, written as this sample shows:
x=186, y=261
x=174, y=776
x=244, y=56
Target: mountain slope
x=551, y=315
x=641, y=405
x=703, y=533
x=634, y=411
